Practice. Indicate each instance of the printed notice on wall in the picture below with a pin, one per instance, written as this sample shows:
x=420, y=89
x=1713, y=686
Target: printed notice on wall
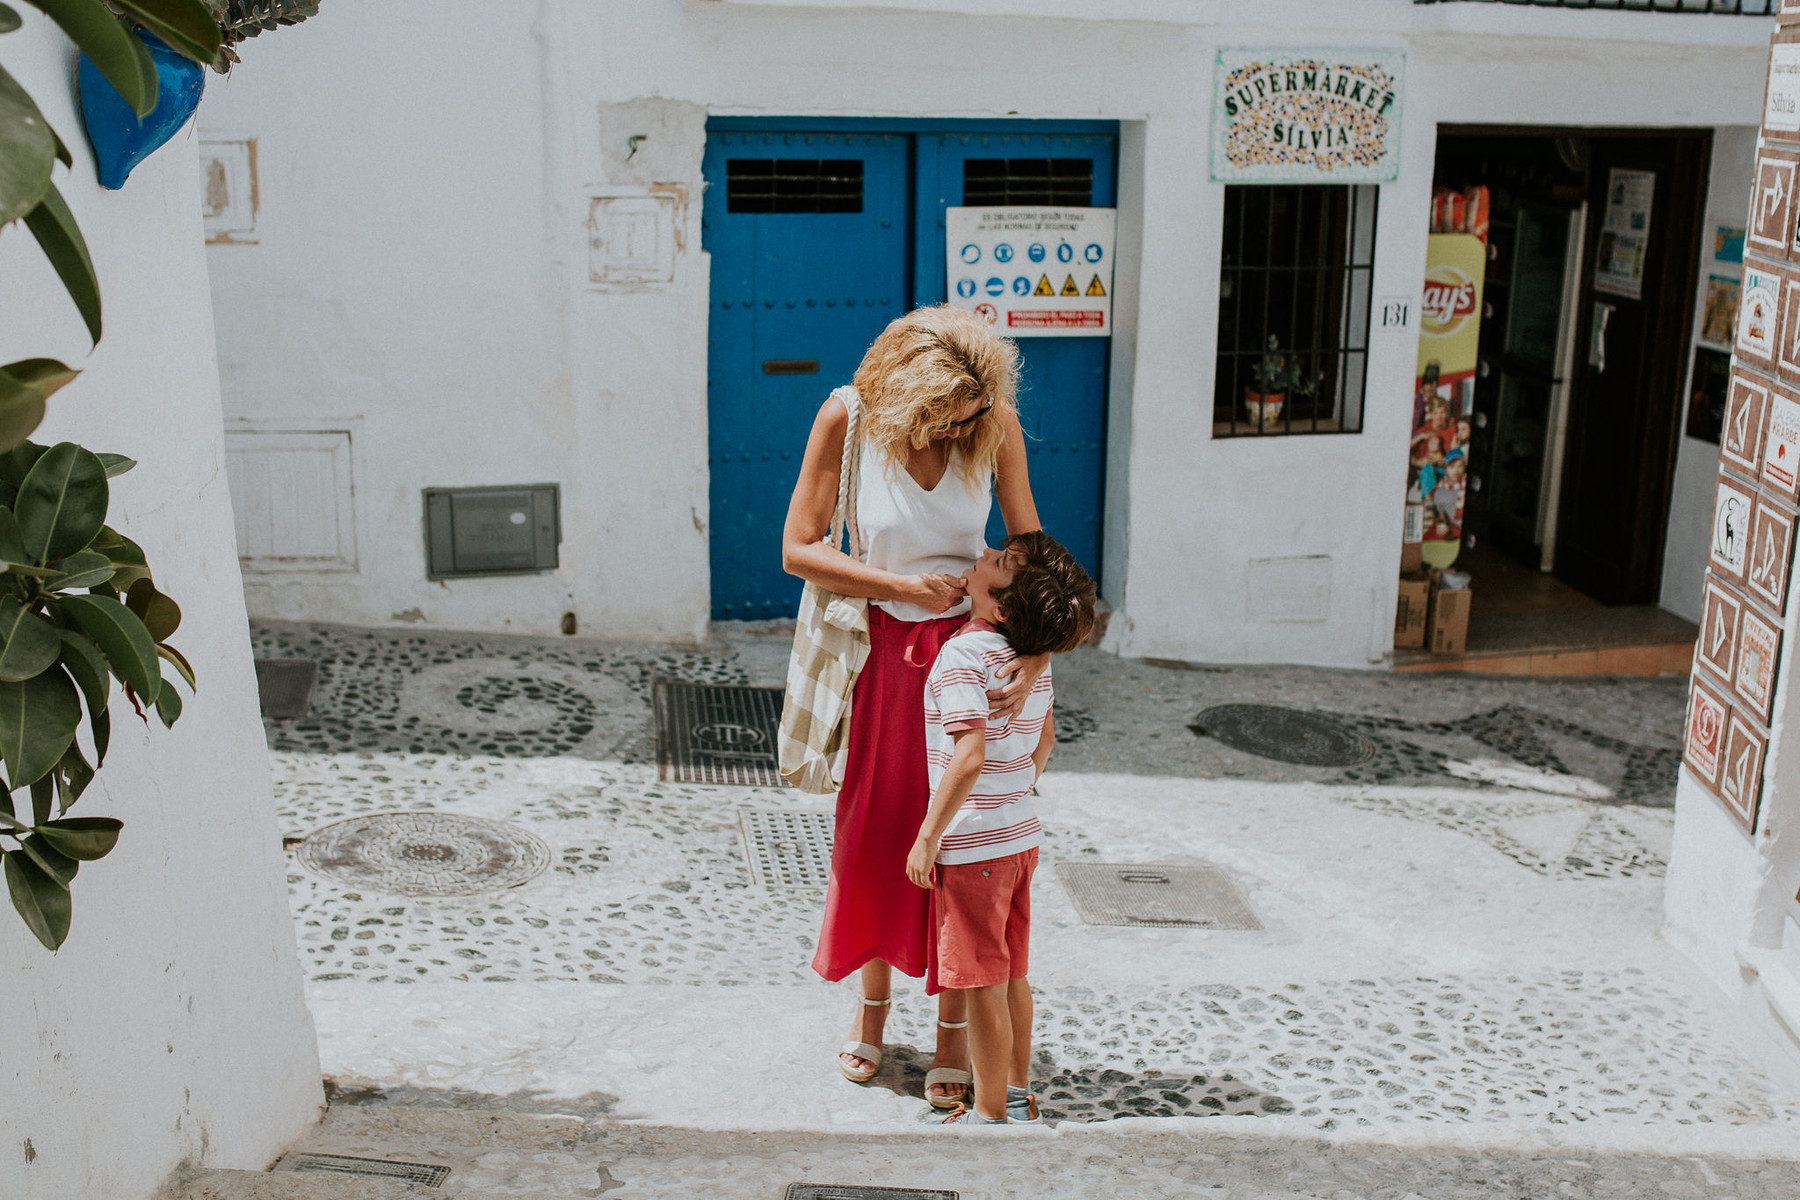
x=1307, y=116
x=1033, y=272
x=1619, y=263
x=1781, y=103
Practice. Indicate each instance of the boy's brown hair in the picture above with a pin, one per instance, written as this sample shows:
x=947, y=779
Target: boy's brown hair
x=1048, y=608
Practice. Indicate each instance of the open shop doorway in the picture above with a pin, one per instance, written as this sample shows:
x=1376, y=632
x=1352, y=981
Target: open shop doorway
x=1541, y=468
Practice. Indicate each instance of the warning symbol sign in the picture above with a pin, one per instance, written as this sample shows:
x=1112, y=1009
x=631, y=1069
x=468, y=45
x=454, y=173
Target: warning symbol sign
x=1046, y=298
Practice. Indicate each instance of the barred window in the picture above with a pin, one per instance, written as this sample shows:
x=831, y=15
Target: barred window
x=1294, y=310
x=794, y=185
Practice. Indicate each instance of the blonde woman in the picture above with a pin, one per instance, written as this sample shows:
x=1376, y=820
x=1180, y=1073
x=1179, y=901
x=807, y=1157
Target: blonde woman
x=939, y=441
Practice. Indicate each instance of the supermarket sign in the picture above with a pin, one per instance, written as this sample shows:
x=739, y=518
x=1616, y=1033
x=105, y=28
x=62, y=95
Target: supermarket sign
x=1307, y=116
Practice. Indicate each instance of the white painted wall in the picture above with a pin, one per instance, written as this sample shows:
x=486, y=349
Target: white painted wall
x=171, y=1025
x=1697, y=462
x=428, y=275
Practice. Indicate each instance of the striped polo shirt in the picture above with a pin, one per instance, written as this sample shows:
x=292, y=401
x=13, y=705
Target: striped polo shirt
x=998, y=818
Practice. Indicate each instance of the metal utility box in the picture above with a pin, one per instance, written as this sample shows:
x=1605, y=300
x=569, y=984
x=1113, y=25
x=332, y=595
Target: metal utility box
x=508, y=530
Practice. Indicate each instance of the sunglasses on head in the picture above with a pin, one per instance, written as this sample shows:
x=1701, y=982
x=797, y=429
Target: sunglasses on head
x=979, y=413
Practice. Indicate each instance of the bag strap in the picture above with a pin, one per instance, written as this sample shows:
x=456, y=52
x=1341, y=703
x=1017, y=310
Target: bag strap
x=843, y=519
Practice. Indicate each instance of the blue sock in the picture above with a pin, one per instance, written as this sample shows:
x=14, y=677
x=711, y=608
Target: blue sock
x=1016, y=1094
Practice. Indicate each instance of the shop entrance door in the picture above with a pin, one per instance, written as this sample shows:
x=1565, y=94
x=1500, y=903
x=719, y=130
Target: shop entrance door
x=822, y=232
x=1630, y=362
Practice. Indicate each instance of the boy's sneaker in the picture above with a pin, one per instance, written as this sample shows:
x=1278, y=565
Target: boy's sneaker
x=1023, y=1111
x=961, y=1115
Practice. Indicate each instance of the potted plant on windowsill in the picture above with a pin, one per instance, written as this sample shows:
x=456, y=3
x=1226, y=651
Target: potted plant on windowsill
x=1274, y=376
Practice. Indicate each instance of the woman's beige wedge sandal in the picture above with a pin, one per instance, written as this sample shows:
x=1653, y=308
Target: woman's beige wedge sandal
x=939, y=1075
x=868, y=1053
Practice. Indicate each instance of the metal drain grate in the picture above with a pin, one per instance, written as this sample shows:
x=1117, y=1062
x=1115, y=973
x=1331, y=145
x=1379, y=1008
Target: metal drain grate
x=1160, y=895
x=787, y=849
x=285, y=686
x=1285, y=734
x=857, y=1191
x=709, y=733
x=429, y=1174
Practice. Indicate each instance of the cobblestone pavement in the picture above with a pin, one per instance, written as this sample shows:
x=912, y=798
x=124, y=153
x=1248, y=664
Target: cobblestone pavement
x=1439, y=958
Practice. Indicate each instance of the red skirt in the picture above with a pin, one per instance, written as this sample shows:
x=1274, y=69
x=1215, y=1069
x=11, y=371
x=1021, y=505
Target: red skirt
x=872, y=910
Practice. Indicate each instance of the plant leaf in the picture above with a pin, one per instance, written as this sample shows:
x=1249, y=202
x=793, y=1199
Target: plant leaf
x=44, y=906
x=121, y=637
x=119, y=55
x=83, y=838
x=57, y=865
x=9, y=20
x=27, y=151
x=179, y=661
x=72, y=777
x=43, y=799
x=24, y=387
x=38, y=717
x=168, y=705
x=62, y=502
x=185, y=25
x=82, y=659
x=54, y=226
x=12, y=549
x=127, y=557
x=160, y=615
x=82, y=569
x=28, y=643
x=116, y=464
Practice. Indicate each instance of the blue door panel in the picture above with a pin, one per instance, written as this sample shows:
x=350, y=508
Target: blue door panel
x=787, y=286
x=1062, y=380
x=790, y=286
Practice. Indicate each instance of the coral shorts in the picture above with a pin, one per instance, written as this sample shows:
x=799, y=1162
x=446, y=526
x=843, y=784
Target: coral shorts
x=981, y=922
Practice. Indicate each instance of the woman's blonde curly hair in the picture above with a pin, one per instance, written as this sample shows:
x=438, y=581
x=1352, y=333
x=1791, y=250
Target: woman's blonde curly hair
x=924, y=370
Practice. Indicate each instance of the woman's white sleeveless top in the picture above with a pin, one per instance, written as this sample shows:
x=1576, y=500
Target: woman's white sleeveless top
x=911, y=531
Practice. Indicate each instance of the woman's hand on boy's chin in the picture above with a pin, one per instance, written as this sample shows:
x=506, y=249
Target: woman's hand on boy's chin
x=937, y=593
x=1009, y=701
x=921, y=863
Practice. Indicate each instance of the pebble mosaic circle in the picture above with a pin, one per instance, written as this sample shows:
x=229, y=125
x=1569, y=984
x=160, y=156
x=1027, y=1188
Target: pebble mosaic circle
x=426, y=854
x=1284, y=734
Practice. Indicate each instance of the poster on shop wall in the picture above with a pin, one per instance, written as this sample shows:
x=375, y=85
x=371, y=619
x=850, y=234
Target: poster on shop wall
x=1444, y=386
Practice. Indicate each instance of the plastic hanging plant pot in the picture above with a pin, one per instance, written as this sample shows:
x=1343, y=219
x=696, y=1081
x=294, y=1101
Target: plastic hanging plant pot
x=121, y=139
x=1263, y=409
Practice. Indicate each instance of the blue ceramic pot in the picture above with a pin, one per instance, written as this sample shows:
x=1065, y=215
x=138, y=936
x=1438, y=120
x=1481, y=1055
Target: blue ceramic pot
x=120, y=139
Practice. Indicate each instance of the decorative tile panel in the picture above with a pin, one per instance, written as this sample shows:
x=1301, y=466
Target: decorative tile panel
x=1721, y=613
x=1728, y=545
x=1758, y=659
x=1740, y=777
x=1771, y=554
x=1746, y=420
x=1703, y=745
x=1771, y=201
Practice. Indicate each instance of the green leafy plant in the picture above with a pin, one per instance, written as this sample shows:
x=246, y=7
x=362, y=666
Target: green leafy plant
x=78, y=606
x=78, y=609
x=1280, y=372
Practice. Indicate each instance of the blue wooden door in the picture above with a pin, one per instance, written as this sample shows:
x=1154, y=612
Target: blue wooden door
x=808, y=234
x=1062, y=385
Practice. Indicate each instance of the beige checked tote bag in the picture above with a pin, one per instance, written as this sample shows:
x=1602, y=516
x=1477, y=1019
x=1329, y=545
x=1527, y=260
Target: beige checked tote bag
x=831, y=643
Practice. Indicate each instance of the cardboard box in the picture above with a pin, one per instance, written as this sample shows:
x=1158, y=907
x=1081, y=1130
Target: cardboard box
x=1409, y=612
x=1449, y=625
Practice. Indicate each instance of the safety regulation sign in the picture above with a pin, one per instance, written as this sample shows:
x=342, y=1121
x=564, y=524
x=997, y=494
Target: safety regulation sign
x=1033, y=272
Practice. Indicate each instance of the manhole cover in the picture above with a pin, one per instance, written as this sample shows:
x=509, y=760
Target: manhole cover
x=1284, y=734
x=429, y=1174
x=787, y=849
x=710, y=733
x=857, y=1191
x=1161, y=895
x=285, y=687
x=426, y=854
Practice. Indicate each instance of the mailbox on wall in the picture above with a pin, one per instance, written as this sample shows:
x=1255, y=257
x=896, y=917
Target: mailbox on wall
x=507, y=530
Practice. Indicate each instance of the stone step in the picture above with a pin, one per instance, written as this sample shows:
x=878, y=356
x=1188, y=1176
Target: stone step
x=292, y=1185
x=394, y=1126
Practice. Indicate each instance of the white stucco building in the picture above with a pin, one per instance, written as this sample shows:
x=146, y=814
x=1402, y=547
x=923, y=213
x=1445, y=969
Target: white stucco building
x=519, y=270
x=170, y=1028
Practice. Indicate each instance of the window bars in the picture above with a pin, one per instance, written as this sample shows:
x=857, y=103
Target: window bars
x=1062, y=182
x=1729, y=8
x=794, y=185
x=1294, y=310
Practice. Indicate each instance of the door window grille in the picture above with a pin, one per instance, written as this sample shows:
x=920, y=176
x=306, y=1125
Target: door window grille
x=794, y=185
x=1062, y=182
x=1297, y=264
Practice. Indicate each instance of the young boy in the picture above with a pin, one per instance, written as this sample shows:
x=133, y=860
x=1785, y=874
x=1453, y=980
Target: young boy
x=978, y=846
